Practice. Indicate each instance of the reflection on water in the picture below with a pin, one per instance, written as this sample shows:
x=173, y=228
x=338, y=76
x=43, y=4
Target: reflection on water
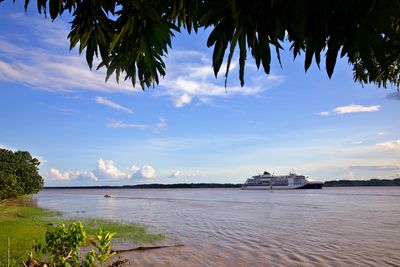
x=231, y=227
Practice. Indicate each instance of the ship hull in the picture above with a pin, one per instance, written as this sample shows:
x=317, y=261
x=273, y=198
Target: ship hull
x=253, y=187
x=314, y=185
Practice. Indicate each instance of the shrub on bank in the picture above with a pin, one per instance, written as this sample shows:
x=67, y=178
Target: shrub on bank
x=63, y=246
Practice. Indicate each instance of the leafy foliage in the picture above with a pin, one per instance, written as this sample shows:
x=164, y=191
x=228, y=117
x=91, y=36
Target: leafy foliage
x=132, y=37
x=18, y=174
x=366, y=31
x=63, y=244
x=103, y=246
x=9, y=187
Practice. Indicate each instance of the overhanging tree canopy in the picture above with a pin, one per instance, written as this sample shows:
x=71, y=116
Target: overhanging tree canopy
x=131, y=36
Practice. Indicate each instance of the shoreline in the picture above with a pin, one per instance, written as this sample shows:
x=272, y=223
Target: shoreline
x=22, y=222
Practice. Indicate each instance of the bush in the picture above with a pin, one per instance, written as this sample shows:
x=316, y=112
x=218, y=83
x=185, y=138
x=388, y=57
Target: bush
x=19, y=174
x=63, y=246
x=9, y=186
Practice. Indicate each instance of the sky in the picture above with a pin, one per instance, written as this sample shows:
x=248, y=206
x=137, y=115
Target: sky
x=189, y=128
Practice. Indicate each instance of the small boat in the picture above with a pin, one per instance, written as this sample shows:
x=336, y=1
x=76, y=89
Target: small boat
x=271, y=181
x=107, y=196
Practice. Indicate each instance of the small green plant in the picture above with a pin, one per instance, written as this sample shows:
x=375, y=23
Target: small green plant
x=103, y=246
x=63, y=245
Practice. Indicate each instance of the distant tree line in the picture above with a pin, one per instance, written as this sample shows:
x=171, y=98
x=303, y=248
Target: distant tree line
x=150, y=186
x=19, y=174
x=372, y=182
x=184, y=185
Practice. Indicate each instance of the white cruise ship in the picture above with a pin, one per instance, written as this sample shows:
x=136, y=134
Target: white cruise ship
x=270, y=181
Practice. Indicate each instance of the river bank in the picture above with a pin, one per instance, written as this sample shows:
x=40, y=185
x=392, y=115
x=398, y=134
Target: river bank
x=22, y=221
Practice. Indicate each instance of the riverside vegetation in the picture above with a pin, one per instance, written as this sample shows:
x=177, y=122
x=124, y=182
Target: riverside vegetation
x=48, y=238
x=19, y=174
x=25, y=228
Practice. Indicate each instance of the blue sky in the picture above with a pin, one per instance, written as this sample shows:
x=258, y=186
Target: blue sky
x=189, y=128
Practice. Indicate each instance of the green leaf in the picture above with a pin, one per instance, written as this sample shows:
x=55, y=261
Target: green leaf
x=242, y=58
x=231, y=52
x=331, y=56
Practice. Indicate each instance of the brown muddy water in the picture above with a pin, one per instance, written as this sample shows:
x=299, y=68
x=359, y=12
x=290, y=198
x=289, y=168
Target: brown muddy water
x=232, y=227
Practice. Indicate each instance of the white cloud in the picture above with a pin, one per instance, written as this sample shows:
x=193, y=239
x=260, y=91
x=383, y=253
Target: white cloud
x=191, y=76
x=121, y=125
x=49, y=65
x=381, y=133
x=133, y=169
x=183, y=100
x=107, y=102
x=107, y=169
x=9, y=48
x=147, y=172
x=67, y=176
x=86, y=174
x=356, y=108
x=353, y=108
x=392, y=144
x=58, y=175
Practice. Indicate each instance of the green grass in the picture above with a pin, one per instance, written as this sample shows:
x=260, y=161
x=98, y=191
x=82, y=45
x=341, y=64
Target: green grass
x=125, y=232
x=22, y=224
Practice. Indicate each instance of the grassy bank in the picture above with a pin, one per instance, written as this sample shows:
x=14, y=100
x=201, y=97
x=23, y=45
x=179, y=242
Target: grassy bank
x=20, y=224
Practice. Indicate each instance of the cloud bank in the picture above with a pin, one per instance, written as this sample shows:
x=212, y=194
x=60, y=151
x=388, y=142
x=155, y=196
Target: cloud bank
x=106, y=172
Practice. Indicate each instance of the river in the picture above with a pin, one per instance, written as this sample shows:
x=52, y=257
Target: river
x=353, y=226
